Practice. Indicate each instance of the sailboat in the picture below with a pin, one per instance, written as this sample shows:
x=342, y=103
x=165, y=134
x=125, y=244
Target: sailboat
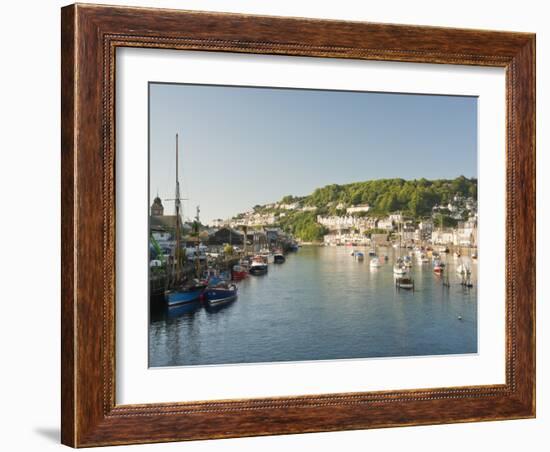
x=181, y=292
x=399, y=268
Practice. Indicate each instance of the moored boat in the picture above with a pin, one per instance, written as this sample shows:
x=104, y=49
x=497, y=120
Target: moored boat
x=258, y=267
x=404, y=283
x=399, y=270
x=184, y=294
x=359, y=256
x=278, y=258
x=438, y=267
x=222, y=293
x=239, y=272
x=375, y=262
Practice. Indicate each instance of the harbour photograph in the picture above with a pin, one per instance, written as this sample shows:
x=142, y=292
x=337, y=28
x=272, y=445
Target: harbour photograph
x=291, y=224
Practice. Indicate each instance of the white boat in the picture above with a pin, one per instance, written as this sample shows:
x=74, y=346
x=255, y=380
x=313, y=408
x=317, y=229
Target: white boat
x=399, y=270
x=375, y=262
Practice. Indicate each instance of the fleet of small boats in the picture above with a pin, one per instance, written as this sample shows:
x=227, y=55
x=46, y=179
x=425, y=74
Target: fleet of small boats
x=403, y=265
x=210, y=286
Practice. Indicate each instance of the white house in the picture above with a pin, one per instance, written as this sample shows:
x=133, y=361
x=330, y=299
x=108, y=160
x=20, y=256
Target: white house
x=385, y=223
x=358, y=208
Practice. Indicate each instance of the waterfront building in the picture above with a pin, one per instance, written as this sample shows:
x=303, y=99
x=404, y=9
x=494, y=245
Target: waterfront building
x=424, y=231
x=226, y=235
x=466, y=234
x=272, y=234
x=443, y=237
x=337, y=239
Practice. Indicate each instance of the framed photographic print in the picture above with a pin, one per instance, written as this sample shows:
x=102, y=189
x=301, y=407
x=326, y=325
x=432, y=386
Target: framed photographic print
x=281, y=225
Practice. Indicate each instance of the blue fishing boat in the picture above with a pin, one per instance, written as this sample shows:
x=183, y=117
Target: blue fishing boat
x=189, y=294
x=220, y=294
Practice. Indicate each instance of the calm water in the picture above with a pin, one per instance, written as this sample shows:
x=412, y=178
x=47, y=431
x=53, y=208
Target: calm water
x=322, y=304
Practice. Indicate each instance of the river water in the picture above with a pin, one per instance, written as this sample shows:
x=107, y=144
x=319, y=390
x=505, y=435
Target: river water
x=323, y=304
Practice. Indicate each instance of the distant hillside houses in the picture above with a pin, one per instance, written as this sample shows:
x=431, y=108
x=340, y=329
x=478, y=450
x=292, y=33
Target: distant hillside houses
x=253, y=219
x=347, y=222
x=458, y=208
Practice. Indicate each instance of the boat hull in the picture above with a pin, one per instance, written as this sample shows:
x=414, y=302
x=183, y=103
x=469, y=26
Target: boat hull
x=178, y=297
x=257, y=270
x=404, y=283
x=216, y=296
x=237, y=276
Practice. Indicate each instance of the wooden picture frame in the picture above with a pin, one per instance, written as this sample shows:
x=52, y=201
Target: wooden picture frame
x=90, y=36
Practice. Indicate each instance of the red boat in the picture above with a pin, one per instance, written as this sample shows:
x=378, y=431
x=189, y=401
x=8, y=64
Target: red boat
x=239, y=272
x=438, y=267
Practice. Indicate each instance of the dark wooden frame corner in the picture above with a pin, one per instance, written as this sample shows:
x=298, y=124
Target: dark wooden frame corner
x=90, y=35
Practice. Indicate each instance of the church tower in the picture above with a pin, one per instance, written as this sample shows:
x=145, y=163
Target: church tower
x=157, y=209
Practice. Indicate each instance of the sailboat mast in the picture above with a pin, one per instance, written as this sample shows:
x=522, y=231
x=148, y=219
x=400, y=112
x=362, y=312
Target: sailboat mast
x=198, y=243
x=177, y=205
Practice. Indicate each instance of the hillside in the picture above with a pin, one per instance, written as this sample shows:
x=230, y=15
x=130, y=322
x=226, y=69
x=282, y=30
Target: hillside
x=414, y=198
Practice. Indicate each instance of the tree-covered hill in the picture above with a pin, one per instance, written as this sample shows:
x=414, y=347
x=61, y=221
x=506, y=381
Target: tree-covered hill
x=414, y=198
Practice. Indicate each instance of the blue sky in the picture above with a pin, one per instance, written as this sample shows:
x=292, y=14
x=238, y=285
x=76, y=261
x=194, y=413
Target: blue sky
x=241, y=146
